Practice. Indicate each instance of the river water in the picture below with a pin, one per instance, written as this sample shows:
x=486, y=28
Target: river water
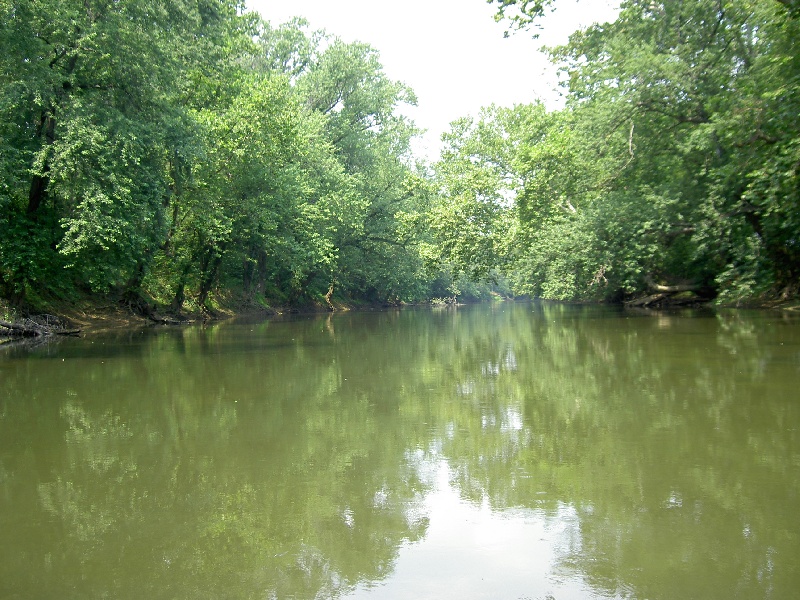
x=517, y=451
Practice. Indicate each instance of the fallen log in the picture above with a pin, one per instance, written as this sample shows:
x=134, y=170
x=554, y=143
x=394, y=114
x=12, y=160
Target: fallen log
x=34, y=328
x=647, y=300
x=14, y=329
x=166, y=319
x=671, y=289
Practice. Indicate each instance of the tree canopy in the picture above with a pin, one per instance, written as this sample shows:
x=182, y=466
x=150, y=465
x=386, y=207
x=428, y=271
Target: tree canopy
x=180, y=154
x=673, y=166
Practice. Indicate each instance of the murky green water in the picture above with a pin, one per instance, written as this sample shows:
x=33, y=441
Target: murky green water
x=514, y=451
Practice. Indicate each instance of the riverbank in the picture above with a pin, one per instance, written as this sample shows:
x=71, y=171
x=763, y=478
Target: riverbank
x=101, y=314
x=97, y=314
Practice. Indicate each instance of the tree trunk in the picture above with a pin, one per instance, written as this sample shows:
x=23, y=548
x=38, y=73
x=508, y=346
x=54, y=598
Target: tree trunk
x=329, y=295
x=39, y=182
x=180, y=290
x=211, y=265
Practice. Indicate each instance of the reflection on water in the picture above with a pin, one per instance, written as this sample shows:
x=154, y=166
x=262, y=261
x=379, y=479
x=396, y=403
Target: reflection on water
x=515, y=451
x=480, y=551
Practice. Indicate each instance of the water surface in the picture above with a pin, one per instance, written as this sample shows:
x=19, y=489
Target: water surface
x=510, y=451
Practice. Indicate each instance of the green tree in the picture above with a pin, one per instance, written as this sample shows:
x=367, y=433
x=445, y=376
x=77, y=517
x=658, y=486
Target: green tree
x=88, y=115
x=682, y=74
x=477, y=185
x=250, y=218
x=673, y=166
x=376, y=221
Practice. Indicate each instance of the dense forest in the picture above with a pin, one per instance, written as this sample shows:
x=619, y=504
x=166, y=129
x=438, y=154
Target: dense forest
x=190, y=155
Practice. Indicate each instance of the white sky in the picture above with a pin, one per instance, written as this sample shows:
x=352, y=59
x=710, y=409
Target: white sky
x=450, y=52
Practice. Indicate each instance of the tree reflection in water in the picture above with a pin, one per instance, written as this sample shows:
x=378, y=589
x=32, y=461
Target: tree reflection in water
x=577, y=452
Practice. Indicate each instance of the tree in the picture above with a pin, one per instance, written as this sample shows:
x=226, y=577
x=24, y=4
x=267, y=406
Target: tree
x=521, y=13
x=375, y=220
x=524, y=13
x=477, y=186
x=88, y=103
x=679, y=72
x=673, y=166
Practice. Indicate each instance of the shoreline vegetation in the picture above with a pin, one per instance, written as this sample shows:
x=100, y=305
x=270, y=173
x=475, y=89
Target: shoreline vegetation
x=91, y=316
x=165, y=159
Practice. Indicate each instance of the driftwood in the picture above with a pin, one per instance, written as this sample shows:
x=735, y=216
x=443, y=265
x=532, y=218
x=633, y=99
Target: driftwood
x=167, y=319
x=647, y=300
x=37, y=326
x=671, y=289
x=682, y=294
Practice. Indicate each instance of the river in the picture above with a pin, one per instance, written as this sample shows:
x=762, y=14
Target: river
x=512, y=451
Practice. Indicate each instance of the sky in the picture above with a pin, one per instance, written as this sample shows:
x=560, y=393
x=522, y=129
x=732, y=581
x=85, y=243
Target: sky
x=452, y=53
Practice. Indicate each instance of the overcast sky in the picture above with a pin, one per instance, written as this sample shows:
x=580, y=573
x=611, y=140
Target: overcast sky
x=450, y=52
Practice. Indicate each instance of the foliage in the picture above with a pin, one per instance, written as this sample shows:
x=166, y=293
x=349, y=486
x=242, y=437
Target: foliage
x=178, y=150
x=673, y=166
x=476, y=184
x=185, y=152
